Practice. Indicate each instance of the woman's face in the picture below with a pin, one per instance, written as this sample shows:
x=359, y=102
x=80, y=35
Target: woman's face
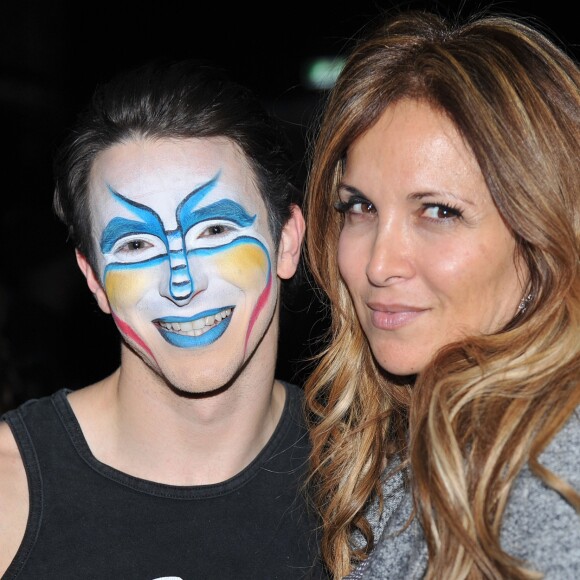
x=423, y=251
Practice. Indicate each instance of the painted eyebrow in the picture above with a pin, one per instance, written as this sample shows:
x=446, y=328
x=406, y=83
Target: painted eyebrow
x=193, y=198
x=149, y=223
x=225, y=209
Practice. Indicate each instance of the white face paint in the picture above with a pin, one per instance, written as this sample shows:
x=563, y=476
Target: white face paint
x=424, y=251
x=185, y=255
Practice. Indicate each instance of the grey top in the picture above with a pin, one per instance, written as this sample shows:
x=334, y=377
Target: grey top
x=539, y=525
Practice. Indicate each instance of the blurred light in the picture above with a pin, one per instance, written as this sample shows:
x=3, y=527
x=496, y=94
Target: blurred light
x=321, y=73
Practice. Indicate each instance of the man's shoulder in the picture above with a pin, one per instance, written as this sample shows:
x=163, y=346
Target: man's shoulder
x=292, y=389
x=295, y=404
x=13, y=496
x=294, y=392
x=35, y=406
x=8, y=448
x=11, y=466
x=13, y=481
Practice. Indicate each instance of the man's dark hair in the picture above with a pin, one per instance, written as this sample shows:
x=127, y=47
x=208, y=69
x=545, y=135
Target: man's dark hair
x=169, y=99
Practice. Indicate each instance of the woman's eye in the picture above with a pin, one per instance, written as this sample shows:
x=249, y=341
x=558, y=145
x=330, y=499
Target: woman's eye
x=440, y=212
x=362, y=207
x=356, y=206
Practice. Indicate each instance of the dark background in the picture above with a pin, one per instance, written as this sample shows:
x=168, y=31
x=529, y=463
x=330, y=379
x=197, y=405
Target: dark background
x=52, y=55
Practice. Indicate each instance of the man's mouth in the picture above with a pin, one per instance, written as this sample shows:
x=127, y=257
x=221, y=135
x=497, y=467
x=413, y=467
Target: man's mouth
x=197, y=326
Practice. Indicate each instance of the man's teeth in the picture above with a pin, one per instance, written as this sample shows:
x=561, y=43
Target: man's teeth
x=196, y=327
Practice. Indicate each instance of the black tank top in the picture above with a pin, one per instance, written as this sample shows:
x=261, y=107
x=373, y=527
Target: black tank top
x=88, y=520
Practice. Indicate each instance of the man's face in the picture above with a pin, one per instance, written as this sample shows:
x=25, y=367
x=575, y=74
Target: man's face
x=185, y=255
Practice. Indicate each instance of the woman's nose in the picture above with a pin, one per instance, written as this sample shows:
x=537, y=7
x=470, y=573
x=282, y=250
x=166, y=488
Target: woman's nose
x=390, y=256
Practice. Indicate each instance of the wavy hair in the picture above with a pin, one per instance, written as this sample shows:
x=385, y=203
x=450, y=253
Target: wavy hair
x=514, y=94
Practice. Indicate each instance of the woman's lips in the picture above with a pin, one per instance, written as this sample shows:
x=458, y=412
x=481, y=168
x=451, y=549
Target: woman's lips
x=390, y=317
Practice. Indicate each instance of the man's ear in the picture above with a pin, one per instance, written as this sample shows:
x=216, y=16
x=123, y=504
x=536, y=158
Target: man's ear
x=93, y=283
x=291, y=243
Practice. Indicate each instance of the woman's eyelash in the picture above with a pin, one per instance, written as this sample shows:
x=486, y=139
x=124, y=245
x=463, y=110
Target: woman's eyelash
x=452, y=211
x=345, y=206
x=443, y=211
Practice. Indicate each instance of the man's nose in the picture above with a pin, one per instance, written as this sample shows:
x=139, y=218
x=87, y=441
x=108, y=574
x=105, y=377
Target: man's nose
x=185, y=280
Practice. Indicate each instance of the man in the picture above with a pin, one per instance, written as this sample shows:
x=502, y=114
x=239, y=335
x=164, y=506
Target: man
x=187, y=461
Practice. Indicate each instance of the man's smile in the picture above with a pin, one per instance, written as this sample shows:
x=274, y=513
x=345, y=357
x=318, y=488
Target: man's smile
x=198, y=331
x=197, y=325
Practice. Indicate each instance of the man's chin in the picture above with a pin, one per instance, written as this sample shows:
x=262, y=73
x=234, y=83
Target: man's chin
x=190, y=376
x=187, y=392
x=189, y=383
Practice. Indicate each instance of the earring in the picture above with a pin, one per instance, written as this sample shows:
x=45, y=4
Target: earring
x=524, y=303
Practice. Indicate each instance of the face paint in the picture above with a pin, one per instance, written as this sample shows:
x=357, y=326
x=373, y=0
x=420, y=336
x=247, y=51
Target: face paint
x=185, y=255
x=246, y=259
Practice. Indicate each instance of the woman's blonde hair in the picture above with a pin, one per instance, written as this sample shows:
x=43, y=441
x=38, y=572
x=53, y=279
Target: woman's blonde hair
x=488, y=405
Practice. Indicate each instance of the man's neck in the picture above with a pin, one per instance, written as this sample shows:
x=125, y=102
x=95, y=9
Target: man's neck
x=134, y=422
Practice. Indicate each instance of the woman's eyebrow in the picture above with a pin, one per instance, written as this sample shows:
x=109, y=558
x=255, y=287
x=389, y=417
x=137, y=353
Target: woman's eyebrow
x=349, y=189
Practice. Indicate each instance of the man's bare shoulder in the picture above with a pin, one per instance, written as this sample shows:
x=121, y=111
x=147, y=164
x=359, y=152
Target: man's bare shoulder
x=13, y=497
x=12, y=474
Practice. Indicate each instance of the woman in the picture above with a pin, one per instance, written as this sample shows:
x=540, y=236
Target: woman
x=443, y=225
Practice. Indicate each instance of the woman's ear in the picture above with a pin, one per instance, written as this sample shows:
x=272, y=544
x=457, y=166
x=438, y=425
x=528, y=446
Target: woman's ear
x=93, y=283
x=291, y=243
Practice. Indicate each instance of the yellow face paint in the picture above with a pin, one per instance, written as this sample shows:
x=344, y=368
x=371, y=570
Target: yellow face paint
x=243, y=264
x=126, y=286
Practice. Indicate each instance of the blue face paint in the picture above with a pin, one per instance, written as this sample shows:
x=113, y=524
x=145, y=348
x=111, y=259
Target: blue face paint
x=118, y=228
x=225, y=209
x=181, y=281
x=187, y=341
x=160, y=245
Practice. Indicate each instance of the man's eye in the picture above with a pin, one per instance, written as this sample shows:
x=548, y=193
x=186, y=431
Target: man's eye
x=135, y=246
x=215, y=230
